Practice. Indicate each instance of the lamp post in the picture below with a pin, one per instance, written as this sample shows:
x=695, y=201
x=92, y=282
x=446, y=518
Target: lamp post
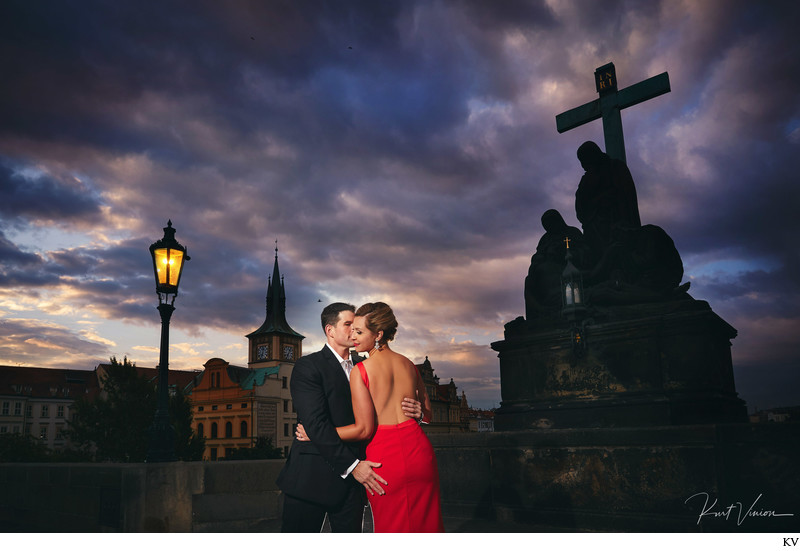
x=168, y=259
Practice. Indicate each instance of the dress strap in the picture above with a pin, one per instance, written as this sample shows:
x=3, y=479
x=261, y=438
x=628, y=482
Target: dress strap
x=363, y=371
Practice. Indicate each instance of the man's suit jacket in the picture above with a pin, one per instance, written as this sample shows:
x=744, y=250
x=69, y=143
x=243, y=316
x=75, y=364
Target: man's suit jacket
x=321, y=394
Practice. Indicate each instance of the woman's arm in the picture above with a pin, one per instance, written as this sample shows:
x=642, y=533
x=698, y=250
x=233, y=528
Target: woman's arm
x=363, y=410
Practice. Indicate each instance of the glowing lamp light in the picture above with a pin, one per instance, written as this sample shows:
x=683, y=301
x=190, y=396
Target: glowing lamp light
x=168, y=260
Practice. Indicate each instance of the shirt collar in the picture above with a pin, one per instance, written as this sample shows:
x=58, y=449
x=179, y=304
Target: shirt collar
x=338, y=357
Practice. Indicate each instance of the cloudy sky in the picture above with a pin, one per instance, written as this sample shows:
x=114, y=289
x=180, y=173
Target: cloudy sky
x=397, y=151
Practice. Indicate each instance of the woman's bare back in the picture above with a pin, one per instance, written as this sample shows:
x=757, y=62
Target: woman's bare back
x=392, y=377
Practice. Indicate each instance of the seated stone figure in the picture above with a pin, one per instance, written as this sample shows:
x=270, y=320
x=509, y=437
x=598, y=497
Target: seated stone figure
x=543, y=283
x=642, y=265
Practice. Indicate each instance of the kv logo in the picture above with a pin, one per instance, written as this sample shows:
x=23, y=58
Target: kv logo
x=790, y=542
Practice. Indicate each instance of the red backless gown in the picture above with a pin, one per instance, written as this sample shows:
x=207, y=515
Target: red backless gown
x=408, y=464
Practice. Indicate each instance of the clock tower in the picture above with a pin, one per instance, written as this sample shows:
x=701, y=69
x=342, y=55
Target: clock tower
x=275, y=341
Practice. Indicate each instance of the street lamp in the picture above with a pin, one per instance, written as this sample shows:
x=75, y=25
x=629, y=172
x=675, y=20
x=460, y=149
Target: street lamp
x=168, y=259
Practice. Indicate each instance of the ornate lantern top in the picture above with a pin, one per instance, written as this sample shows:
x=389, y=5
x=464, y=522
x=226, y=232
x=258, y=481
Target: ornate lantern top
x=168, y=259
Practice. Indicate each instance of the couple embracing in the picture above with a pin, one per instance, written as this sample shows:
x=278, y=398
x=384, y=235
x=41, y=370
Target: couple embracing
x=352, y=424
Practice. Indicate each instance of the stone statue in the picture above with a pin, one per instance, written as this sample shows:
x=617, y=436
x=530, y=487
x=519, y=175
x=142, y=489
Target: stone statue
x=642, y=265
x=622, y=262
x=543, y=284
x=606, y=197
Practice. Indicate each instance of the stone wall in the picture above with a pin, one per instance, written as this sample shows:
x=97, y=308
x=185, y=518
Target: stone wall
x=622, y=479
x=167, y=497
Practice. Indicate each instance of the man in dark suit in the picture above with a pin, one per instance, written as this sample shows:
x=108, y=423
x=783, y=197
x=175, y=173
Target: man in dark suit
x=326, y=475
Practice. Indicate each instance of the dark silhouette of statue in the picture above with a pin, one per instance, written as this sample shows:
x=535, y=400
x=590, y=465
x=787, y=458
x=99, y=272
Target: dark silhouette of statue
x=621, y=261
x=543, y=284
x=642, y=265
x=606, y=197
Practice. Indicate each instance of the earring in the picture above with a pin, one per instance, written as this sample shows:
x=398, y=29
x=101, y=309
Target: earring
x=377, y=345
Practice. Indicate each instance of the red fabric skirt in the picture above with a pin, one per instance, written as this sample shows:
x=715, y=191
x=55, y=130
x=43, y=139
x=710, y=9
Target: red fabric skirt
x=411, y=502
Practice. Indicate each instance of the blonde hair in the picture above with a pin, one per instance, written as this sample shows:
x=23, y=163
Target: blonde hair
x=378, y=316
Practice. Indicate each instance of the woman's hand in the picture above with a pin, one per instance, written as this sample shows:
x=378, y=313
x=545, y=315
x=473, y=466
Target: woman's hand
x=300, y=433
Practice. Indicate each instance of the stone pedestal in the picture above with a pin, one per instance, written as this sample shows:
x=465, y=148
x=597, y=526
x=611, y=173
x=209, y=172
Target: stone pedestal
x=645, y=365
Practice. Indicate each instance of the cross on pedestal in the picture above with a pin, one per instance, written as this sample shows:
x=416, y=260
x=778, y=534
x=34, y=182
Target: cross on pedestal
x=609, y=105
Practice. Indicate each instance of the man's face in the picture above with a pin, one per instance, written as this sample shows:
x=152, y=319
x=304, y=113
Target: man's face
x=340, y=333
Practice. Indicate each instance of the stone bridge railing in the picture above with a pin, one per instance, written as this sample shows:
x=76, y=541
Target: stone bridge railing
x=635, y=479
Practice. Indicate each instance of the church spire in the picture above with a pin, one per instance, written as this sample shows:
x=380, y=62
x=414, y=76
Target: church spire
x=275, y=321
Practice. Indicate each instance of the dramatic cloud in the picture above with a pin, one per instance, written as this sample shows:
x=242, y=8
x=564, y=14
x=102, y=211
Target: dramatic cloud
x=396, y=150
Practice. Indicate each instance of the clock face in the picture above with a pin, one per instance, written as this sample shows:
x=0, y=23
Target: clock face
x=288, y=352
x=262, y=352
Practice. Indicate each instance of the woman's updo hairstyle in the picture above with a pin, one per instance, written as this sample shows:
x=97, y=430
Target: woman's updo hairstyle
x=378, y=316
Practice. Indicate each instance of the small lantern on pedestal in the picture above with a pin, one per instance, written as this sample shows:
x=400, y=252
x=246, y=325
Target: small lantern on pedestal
x=572, y=299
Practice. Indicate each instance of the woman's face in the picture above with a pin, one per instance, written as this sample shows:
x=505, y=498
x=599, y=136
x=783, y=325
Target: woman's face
x=363, y=338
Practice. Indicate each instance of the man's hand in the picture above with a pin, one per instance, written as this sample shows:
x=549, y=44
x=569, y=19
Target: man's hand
x=412, y=408
x=368, y=478
x=300, y=433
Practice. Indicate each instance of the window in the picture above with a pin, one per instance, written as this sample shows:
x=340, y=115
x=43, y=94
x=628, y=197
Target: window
x=60, y=411
x=213, y=454
x=3, y=429
x=59, y=433
x=200, y=429
x=286, y=406
x=286, y=429
x=228, y=406
x=200, y=408
x=5, y=408
x=17, y=408
x=213, y=430
x=285, y=382
x=27, y=428
x=213, y=408
x=228, y=452
x=45, y=410
x=244, y=405
x=29, y=410
x=43, y=432
x=243, y=429
x=228, y=430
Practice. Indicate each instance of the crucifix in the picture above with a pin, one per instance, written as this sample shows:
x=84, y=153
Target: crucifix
x=609, y=105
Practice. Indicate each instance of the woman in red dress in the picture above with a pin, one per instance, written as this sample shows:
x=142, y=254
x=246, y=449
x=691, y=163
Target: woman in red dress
x=410, y=502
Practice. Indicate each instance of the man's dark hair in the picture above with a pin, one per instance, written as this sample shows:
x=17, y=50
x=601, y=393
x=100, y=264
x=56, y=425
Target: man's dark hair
x=330, y=314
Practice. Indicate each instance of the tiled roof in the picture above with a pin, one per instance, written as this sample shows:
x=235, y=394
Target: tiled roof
x=255, y=376
x=41, y=382
x=176, y=377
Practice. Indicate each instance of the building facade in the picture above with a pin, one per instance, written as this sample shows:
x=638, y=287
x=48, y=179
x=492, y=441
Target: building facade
x=234, y=406
x=39, y=402
x=449, y=411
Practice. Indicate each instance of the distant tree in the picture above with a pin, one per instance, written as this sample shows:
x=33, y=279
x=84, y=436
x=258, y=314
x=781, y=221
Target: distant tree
x=262, y=450
x=189, y=446
x=115, y=426
x=19, y=448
